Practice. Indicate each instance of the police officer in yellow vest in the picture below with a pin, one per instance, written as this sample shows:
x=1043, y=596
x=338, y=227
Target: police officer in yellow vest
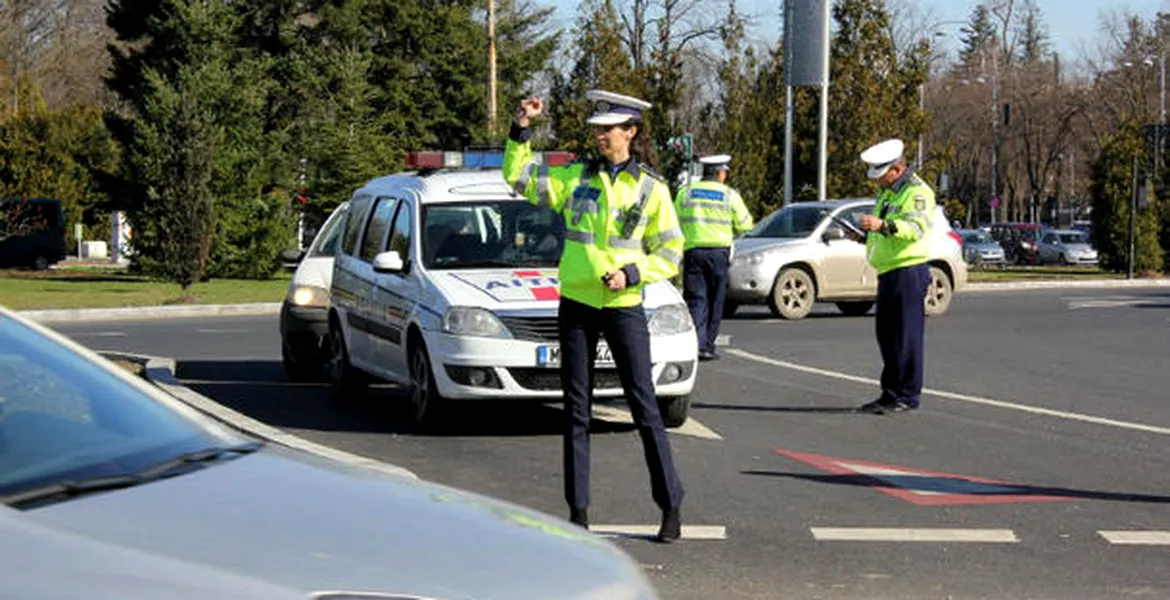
x=712, y=215
x=621, y=234
x=897, y=245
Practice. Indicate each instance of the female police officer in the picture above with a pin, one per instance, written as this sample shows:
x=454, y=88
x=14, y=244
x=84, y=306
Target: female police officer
x=621, y=233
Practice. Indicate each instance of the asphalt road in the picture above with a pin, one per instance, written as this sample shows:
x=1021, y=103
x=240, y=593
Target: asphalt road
x=1038, y=466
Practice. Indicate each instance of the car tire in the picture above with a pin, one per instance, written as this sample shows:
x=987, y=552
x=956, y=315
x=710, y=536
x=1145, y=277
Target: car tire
x=40, y=262
x=855, y=308
x=675, y=410
x=349, y=383
x=938, y=292
x=1064, y=261
x=793, y=294
x=300, y=370
x=425, y=403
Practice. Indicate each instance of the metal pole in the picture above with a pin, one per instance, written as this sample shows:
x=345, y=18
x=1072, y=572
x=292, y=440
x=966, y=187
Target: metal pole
x=1132, y=222
x=994, y=132
x=921, y=108
x=823, y=141
x=492, y=67
x=788, y=111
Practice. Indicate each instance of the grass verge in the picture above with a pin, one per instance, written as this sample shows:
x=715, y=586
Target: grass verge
x=106, y=288
x=1016, y=273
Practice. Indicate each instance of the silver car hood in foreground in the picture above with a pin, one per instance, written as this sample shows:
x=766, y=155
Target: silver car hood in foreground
x=308, y=524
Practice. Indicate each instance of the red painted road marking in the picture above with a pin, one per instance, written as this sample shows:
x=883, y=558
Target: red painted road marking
x=924, y=488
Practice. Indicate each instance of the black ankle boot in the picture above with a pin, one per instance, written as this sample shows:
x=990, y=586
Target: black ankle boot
x=580, y=517
x=671, y=529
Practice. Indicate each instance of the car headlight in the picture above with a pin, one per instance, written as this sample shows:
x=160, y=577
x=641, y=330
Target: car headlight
x=671, y=319
x=308, y=295
x=474, y=322
x=751, y=259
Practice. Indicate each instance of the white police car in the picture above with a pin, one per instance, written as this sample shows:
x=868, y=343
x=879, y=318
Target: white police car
x=446, y=283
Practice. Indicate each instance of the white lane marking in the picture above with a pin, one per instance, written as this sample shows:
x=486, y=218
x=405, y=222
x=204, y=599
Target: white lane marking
x=102, y=334
x=237, y=330
x=1048, y=412
x=876, y=534
x=689, y=532
x=1078, y=302
x=692, y=427
x=1137, y=538
x=723, y=340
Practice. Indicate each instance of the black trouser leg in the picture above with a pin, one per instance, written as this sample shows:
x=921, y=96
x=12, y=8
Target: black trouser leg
x=901, y=325
x=629, y=340
x=579, y=329
x=717, y=291
x=695, y=293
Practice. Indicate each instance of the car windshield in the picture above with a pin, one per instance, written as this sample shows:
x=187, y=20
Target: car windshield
x=792, y=221
x=64, y=418
x=500, y=233
x=329, y=239
x=977, y=237
x=1073, y=238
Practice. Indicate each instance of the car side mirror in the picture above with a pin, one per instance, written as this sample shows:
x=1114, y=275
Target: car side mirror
x=292, y=256
x=388, y=262
x=833, y=232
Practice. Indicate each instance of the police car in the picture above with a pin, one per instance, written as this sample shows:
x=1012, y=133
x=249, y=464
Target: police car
x=446, y=283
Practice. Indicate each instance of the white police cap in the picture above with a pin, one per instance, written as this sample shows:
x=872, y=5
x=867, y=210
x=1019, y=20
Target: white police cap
x=881, y=156
x=614, y=109
x=716, y=162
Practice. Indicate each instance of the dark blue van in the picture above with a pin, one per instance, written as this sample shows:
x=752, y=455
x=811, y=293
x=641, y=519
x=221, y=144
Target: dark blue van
x=32, y=232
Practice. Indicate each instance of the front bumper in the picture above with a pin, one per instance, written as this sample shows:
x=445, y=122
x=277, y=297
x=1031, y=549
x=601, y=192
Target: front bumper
x=750, y=283
x=303, y=329
x=509, y=369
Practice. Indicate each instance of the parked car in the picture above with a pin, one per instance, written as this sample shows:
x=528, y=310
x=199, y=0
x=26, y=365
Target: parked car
x=446, y=283
x=979, y=249
x=1018, y=241
x=800, y=255
x=1065, y=247
x=32, y=233
x=111, y=488
x=304, y=314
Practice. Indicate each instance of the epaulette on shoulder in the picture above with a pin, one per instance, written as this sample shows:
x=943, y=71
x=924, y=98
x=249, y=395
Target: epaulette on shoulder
x=645, y=168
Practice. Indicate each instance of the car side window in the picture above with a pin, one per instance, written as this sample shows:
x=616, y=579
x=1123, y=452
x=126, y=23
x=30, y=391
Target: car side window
x=353, y=227
x=376, y=228
x=400, y=234
x=854, y=214
x=330, y=239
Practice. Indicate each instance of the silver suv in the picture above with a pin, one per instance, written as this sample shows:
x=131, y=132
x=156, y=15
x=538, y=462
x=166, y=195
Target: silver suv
x=800, y=255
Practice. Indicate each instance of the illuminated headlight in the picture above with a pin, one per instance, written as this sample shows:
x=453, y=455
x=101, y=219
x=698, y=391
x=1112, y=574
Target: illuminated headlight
x=473, y=322
x=308, y=295
x=671, y=319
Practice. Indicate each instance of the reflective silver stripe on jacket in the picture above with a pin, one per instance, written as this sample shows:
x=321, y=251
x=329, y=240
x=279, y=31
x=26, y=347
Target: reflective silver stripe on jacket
x=654, y=241
x=542, y=195
x=583, y=237
x=670, y=255
x=525, y=177
x=705, y=221
x=616, y=241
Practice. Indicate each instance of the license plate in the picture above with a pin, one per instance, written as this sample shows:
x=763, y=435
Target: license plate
x=550, y=356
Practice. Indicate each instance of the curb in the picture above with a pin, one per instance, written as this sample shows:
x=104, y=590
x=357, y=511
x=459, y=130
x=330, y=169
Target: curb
x=1066, y=284
x=151, y=312
x=161, y=372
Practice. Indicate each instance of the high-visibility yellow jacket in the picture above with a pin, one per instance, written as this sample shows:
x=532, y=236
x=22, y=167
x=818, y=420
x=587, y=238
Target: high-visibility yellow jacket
x=906, y=210
x=711, y=214
x=596, y=209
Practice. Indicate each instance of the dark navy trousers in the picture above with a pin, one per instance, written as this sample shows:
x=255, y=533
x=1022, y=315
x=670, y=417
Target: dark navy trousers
x=901, y=324
x=629, y=340
x=704, y=288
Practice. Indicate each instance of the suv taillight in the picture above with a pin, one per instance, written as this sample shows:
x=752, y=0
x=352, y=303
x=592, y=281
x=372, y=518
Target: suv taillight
x=954, y=236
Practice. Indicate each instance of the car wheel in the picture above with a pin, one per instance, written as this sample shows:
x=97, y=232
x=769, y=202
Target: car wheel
x=793, y=294
x=938, y=292
x=300, y=370
x=40, y=262
x=1064, y=260
x=674, y=410
x=426, y=403
x=729, y=309
x=856, y=308
x=348, y=382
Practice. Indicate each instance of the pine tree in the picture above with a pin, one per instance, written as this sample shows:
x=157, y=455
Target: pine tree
x=1111, y=188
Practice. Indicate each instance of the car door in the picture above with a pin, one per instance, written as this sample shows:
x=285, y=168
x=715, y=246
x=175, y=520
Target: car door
x=396, y=294
x=365, y=320
x=345, y=286
x=845, y=272
x=1048, y=248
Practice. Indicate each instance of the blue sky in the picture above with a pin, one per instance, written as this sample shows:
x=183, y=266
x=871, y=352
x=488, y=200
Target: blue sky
x=1075, y=26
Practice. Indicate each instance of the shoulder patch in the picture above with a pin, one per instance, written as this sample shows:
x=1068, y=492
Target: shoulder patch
x=919, y=202
x=645, y=168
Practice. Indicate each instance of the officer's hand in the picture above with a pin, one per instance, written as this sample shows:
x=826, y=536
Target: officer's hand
x=529, y=108
x=616, y=281
x=871, y=223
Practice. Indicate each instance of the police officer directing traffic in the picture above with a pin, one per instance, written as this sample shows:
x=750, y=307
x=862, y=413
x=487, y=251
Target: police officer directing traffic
x=897, y=245
x=712, y=215
x=621, y=234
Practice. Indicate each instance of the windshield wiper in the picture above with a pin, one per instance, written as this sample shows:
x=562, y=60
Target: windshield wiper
x=73, y=488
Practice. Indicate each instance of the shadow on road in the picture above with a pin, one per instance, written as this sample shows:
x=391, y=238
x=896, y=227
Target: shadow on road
x=934, y=483
x=779, y=409
x=260, y=390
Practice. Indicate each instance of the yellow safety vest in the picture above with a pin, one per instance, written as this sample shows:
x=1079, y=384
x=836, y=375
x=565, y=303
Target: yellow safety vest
x=907, y=209
x=711, y=214
x=603, y=231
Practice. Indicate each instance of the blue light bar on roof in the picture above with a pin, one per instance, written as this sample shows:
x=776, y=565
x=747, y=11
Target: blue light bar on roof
x=483, y=160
